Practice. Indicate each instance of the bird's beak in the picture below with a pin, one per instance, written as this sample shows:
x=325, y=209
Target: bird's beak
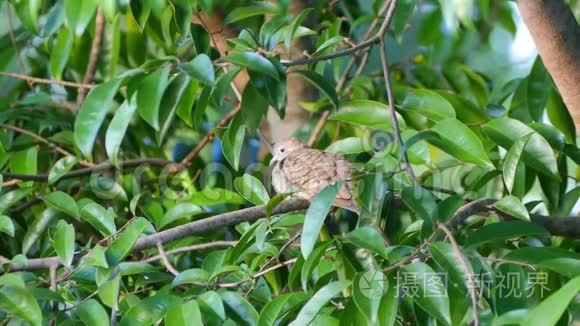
x=264, y=140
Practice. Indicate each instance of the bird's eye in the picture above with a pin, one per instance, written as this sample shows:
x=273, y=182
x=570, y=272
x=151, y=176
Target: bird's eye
x=282, y=150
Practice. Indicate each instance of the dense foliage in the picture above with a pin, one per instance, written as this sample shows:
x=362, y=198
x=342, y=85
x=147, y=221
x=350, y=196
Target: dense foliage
x=132, y=128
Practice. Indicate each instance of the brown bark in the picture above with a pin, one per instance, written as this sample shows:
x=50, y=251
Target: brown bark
x=556, y=34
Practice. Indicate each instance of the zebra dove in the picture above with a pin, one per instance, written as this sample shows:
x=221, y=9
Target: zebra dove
x=306, y=171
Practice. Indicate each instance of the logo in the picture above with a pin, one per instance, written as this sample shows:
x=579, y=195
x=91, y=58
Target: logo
x=373, y=284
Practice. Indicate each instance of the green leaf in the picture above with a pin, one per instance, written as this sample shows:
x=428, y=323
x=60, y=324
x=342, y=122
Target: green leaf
x=274, y=202
x=254, y=107
x=25, y=162
x=233, y=140
x=239, y=309
x=27, y=12
x=118, y=128
x=92, y=113
x=389, y=306
x=513, y=206
x=322, y=84
x=537, y=152
x=312, y=262
x=431, y=296
x=366, y=113
x=149, y=310
x=177, y=212
x=18, y=301
x=367, y=291
x=109, y=292
x=92, y=313
x=253, y=62
x=37, y=228
x=549, y=311
x=278, y=306
x=170, y=102
x=538, y=89
x=511, y=161
x=186, y=314
x=449, y=261
x=255, y=9
x=252, y=189
x=150, y=94
x=318, y=300
x=560, y=116
x=315, y=216
x=211, y=303
x=461, y=142
x=428, y=103
x=99, y=218
x=61, y=52
x=350, y=145
x=200, y=68
x=503, y=231
x=60, y=168
x=78, y=14
x=422, y=135
x=12, y=197
x=191, y=276
x=215, y=196
x=422, y=202
x=64, y=243
x=123, y=244
x=369, y=238
x=186, y=102
x=96, y=257
x=6, y=225
x=565, y=266
x=294, y=27
x=63, y=202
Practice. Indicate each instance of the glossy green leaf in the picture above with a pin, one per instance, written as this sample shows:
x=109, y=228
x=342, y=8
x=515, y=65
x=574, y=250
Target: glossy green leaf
x=27, y=12
x=369, y=238
x=318, y=301
x=200, y=68
x=560, y=116
x=512, y=160
x=254, y=62
x=177, y=212
x=549, y=311
x=366, y=113
x=389, y=305
x=186, y=314
x=315, y=216
x=92, y=313
x=170, y=102
x=78, y=14
x=367, y=291
x=233, y=140
x=428, y=103
x=118, y=127
x=60, y=168
x=350, y=145
x=123, y=244
x=254, y=107
x=211, y=303
x=96, y=257
x=322, y=84
x=19, y=301
x=92, y=113
x=513, y=206
x=537, y=152
x=99, y=218
x=280, y=305
x=12, y=197
x=255, y=9
x=61, y=52
x=422, y=202
x=252, y=189
x=191, y=276
x=449, y=260
x=239, y=309
x=312, y=262
x=64, y=243
x=538, y=92
x=460, y=142
x=25, y=161
x=6, y=225
x=109, y=292
x=293, y=28
x=431, y=296
x=62, y=202
x=503, y=231
x=150, y=94
x=37, y=228
x=149, y=310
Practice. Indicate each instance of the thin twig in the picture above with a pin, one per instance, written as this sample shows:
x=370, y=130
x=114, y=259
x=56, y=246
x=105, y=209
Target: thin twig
x=257, y=275
x=15, y=45
x=207, y=138
x=391, y=101
x=53, y=288
x=45, y=81
x=94, y=56
x=201, y=246
x=45, y=141
x=467, y=268
x=165, y=260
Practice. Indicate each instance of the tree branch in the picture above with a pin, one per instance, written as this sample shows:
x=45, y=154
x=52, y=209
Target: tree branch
x=45, y=81
x=195, y=247
x=14, y=44
x=193, y=228
x=165, y=260
x=94, y=56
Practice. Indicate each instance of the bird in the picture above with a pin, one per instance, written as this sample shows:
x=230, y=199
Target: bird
x=306, y=171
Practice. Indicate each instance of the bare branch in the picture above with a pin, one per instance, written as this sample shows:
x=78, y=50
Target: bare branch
x=257, y=275
x=165, y=260
x=15, y=45
x=45, y=81
x=94, y=56
x=394, y=119
x=195, y=247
